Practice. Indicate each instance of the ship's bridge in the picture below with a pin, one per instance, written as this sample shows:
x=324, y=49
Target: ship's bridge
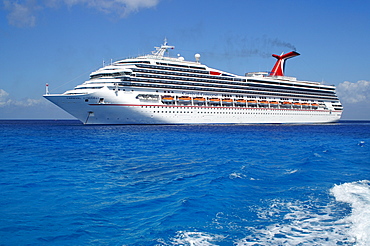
x=110, y=73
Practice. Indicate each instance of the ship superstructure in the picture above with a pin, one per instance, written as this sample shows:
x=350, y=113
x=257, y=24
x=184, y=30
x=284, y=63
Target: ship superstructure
x=156, y=89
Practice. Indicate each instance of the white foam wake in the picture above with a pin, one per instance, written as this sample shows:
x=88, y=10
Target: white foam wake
x=357, y=194
x=196, y=239
x=304, y=223
x=345, y=221
x=307, y=223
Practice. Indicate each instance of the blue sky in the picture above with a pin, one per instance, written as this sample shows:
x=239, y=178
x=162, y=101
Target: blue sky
x=61, y=41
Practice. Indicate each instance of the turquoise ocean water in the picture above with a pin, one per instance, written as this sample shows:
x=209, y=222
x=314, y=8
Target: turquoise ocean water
x=64, y=183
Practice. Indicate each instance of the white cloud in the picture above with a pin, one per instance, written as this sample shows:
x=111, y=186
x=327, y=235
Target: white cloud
x=29, y=108
x=349, y=92
x=21, y=15
x=3, y=97
x=22, y=12
x=28, y=102
x=120, y=7
x=3, y=94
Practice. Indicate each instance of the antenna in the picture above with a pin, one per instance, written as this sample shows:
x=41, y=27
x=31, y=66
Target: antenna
x=161, y=50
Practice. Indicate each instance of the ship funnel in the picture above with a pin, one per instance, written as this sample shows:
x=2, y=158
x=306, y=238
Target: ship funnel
x=278, y=69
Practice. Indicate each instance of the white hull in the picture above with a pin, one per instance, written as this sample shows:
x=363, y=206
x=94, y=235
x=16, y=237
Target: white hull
x=134, y=111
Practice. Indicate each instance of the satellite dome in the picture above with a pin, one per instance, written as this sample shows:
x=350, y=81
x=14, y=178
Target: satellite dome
x=197, y=57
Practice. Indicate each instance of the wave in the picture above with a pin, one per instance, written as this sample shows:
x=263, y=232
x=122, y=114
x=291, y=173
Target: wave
x=343, y=221
x=196, y=239
x=357, y=194
x=307, y=223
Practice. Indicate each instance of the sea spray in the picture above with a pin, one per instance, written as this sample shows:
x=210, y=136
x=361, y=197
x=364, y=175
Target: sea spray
x=299, y=223
x=357, y=195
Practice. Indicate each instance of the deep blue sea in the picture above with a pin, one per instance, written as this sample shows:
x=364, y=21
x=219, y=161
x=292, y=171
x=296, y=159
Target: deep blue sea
x=64, y=183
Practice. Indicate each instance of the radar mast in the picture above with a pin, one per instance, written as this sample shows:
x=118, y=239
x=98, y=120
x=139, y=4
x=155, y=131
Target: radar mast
x=160, y=51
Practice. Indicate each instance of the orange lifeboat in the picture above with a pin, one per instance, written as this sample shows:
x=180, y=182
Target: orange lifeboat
x=184, y=99
x=252, y=102
x=214, y=101
x=227, y=101
x=314, y=105
x=286, y=104
x=305, y=105
x=274, y=104
x=167, y=99
x=240, y=102
x=297, y=105
x=199, y=100
x=263, y=103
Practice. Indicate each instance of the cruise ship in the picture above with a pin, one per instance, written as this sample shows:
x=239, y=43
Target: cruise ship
x=159, y=89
